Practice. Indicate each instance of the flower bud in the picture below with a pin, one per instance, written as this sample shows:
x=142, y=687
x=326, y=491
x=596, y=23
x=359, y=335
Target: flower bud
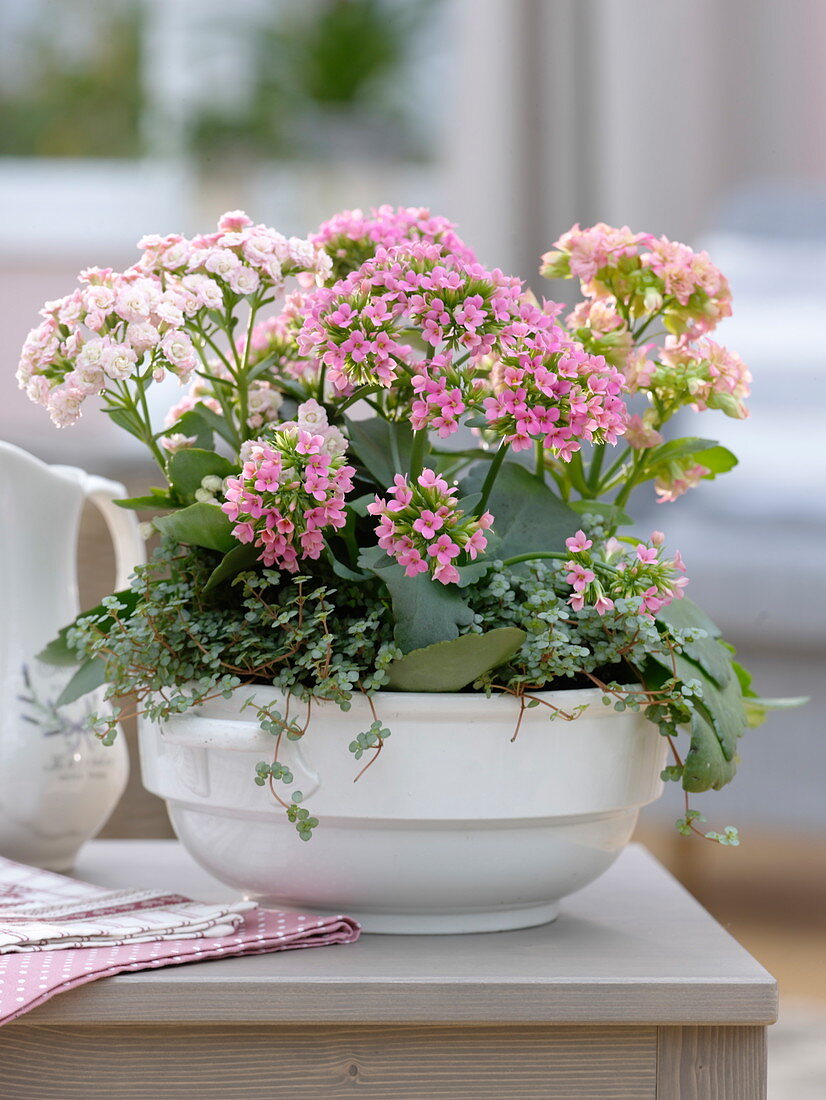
x=555, y=265
x=652, y=300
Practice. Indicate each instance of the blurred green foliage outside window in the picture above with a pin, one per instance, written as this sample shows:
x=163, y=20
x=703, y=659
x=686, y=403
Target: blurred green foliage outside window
x=310, y=77
x=72, y=87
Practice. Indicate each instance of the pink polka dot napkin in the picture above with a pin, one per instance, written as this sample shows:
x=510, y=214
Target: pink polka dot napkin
x=57, y=933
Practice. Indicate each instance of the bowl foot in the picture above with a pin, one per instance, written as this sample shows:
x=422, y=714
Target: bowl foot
x=438, y=924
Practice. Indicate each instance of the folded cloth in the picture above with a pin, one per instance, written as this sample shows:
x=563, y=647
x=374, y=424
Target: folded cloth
x=31, y=973
x=42, y=911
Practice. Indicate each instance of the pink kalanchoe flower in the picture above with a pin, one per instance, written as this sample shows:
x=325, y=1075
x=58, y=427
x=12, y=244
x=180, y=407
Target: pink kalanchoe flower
x=647, y=275
x=287, y=493
x=357, y=327
x=639, y=436
x=420, y=525
x=599, y=576
x=548, y=389
x=352, y=236
x=678, y=480
x=110, y=329
x=588, y=250
x=704, y=375
x=578, y=542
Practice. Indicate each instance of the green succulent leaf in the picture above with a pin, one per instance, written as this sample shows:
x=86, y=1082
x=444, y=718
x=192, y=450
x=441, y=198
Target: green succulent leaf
x=527, y=515
x=706, y=766
x=188, y=468
x=200, y=524
x=424, y=611
x=57, y=652
x=678, y=448
x=710, y=653
x=383, y=447
x=193, y=424
x=717, y=460
x=242, y=557
x=156, y=499
x=450, y=666
x=90, y=675
x=724, y=713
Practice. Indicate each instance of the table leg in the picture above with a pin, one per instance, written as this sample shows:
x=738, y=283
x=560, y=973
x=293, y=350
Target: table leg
x=711, y=1063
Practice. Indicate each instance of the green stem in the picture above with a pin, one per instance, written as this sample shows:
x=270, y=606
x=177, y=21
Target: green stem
x=555, y=555
x=147, y=422
x=558, y=555
x=243, y=380
x=357, y=395
x=596, y=466
x=219, y=388
x=207, y=339
x=539, y=456
x=636, y=469
x=417, y=453
x=613, y=471
x=490, y=478
x=576, y=473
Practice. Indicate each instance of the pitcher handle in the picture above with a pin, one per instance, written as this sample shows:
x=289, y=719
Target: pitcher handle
x=123, y=526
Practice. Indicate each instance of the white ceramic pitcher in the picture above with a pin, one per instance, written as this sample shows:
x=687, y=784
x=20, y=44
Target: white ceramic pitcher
x=58, y=783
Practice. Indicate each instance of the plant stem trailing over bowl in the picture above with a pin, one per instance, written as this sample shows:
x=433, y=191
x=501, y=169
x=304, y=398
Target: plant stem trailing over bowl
x=394, y=468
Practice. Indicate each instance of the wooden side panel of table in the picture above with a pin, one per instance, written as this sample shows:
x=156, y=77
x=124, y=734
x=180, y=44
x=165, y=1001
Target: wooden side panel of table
x=384, y=1063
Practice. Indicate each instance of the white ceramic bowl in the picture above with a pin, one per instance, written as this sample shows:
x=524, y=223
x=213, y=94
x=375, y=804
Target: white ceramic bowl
x=455, y=828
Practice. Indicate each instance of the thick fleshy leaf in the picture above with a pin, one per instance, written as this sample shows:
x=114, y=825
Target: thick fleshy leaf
x=706, y=767
x=616, y=517
x=199, y=525
x=722, y=706
x=713, y=656
x=450, y=666
x=126, y=420
x=678, y=448
x=527, y=516
x=717, y=460
x=243, y=556
x=146, y=503
x=382, y=447
x=90, y=675
x=215, y=422
x=192, y=424
x=57, y=651
x=424, y=611
x=188, y=468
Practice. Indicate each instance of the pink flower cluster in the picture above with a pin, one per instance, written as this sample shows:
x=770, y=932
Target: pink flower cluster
x=640, y=435
x=588, y=251
x=443, y=392
x=547, y=388
x=637, y=275
x=680, y=476
x=239, y=257
x=684, y=271
x=619, y=571
x=421, y=526
x=312, y=417
x=352, y=236
x=711, y=376
x=357, y=327
x=110, y=328
x=288, y=492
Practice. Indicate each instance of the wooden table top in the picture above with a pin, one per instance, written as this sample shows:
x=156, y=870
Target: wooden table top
x=633, y=948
